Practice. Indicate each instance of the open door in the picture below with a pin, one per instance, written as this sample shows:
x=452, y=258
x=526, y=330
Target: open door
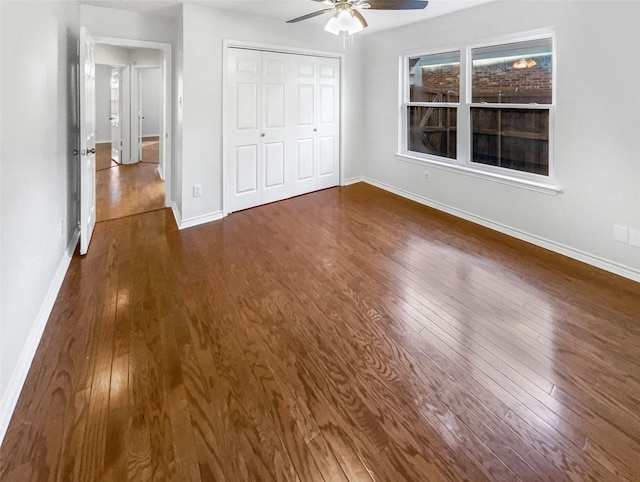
x=138, y=97
x=87, y=139
x=115, y=115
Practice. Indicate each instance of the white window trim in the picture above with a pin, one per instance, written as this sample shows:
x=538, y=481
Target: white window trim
x=463, y=164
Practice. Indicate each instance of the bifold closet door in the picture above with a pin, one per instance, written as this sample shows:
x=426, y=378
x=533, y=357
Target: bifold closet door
x=316, y=101
x=244, y=134
x=282, y=118
x=276, y=129
x=328, y=123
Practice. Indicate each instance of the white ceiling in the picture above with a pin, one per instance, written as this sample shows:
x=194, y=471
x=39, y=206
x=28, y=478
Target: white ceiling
x=284, y=10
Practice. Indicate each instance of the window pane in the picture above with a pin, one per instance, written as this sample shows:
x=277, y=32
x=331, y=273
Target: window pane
x=517, y=73
x=432, y=130
x=435, y=78
x=511, y=138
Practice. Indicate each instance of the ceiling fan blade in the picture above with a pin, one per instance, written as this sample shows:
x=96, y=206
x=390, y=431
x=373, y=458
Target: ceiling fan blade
x=360, y=17
x=310, y=15
x=397, y=4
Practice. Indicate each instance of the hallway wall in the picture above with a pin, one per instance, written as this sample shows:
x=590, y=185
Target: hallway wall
x=38, y=201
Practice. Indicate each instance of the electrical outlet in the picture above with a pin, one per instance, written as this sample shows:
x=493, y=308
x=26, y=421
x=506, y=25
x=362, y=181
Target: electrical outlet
x=197, y=190
x=634, y=237
x=621, y=233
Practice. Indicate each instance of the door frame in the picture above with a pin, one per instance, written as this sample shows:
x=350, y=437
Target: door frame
x=226, y=45
x=166, y=71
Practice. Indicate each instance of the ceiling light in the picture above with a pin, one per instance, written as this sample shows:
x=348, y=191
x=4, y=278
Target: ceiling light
x=344, y=21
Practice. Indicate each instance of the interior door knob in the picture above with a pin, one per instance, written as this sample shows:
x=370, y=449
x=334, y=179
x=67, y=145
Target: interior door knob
x=91, y=151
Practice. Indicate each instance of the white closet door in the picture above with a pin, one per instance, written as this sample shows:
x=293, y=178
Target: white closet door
x=282, y=123
x=328, y=123
x=244, y=176
x=303, y=160
x=275, y=129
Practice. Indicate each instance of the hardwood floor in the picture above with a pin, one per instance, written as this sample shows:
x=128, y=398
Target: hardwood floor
x=103, y=156
x=150, y=149
x=128, y=189
x=348, y=334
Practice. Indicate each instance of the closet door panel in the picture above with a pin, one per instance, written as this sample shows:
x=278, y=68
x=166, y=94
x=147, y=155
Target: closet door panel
x=305, y=155
x=274, y=165
x=275, y=137
x=328, y=123
x=243, y=132
x=246, y=162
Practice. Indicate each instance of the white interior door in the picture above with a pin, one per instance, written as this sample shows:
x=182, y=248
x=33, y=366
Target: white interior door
x=138, y=99
x=328, y=123
x=116, y=134
x=244, y=174
x=275, y=128
x=87, y=139
x=303, y=167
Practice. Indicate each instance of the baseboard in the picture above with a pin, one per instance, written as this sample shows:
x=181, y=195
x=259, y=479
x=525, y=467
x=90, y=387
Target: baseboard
x=583, y=256
x=184, y=223
x=353, y=180
x=20, y=372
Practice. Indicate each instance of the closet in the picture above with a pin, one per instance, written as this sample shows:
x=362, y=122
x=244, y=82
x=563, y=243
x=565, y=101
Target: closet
x=282, y=122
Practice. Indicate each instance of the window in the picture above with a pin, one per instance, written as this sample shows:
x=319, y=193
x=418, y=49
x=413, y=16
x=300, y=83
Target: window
x=495, y=116
x=432, y=111
x=511, y=97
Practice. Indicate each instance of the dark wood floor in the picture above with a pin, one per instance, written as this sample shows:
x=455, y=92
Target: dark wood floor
x=343, y=335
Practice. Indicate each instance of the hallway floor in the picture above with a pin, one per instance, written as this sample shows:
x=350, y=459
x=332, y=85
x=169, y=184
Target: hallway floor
x=127, y=189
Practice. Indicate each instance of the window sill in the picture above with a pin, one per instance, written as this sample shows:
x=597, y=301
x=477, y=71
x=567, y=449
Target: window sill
x=546, y=188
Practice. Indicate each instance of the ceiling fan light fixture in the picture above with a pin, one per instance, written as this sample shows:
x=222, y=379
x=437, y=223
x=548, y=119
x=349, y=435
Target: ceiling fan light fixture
x=344, y=21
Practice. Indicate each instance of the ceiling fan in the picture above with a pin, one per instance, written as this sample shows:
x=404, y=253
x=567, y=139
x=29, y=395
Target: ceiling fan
x=347, y=16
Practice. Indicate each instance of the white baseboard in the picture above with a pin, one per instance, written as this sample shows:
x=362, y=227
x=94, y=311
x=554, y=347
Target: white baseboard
x=18, y=377
x=579, y=255
x=196, y=220
x=353, y=180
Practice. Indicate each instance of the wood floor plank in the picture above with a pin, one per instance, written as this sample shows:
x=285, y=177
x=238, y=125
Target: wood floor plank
x=348, y=334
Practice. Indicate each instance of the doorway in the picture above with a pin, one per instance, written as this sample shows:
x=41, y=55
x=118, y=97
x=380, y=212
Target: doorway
x=132, y=112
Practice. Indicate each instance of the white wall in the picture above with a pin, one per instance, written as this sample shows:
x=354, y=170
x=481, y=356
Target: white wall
x=39, y=177
x=151, y=96
x=597, y=126
x=103, y=103
x=112, y=55
x=204, y=29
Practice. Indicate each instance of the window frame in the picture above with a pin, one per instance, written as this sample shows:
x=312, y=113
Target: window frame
x=464, y=163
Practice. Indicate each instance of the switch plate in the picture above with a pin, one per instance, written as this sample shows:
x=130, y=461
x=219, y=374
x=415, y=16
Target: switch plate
x=634, y=237
x=197, y=190
x=621, y=233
